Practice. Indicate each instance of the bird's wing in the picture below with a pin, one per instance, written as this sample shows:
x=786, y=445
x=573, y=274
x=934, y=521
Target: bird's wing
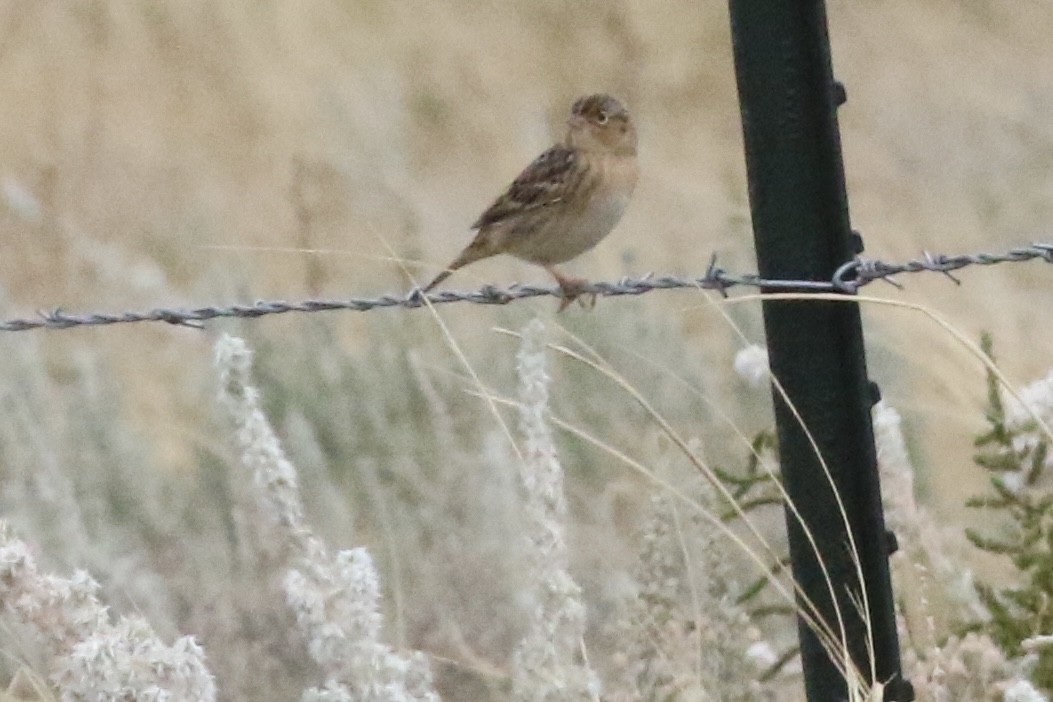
x=541, y=184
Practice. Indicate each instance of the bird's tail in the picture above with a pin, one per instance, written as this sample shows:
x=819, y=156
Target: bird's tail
x=439, y=278
x=475, y=251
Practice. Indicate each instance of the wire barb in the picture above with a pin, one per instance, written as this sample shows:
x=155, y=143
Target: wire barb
x=848, y=279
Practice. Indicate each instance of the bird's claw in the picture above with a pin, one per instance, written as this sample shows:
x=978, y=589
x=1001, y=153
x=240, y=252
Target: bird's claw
x=573, y=289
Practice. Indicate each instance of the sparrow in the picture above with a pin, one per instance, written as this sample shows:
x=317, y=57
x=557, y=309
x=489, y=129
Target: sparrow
x=567, y=200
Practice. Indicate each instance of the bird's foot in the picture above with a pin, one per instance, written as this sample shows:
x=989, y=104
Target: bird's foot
x=574, y=289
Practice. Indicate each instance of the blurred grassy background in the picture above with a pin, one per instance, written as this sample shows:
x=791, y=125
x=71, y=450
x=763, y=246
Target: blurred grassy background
x=136, y=137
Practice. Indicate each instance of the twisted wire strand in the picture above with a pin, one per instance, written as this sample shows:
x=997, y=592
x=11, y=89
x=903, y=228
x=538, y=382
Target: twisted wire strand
x=868, y=270
x=849, y=278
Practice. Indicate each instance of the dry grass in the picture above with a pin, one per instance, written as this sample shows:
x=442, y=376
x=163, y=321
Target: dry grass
x=150, y=132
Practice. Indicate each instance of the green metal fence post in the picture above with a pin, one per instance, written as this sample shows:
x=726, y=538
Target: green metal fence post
x=799, y=207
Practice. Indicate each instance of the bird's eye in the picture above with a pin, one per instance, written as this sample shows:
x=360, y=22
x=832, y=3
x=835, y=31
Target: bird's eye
x=602, y=117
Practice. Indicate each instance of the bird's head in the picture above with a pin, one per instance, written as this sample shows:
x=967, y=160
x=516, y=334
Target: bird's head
x=601, y=123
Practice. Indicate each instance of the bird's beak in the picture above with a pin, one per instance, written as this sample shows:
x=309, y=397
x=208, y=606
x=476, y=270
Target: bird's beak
x=576, y=122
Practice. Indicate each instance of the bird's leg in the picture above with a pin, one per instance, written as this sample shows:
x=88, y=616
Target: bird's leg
x=573, y=289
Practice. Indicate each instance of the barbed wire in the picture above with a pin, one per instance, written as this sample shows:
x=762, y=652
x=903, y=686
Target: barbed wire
x=849, y=278
x=855, y=274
